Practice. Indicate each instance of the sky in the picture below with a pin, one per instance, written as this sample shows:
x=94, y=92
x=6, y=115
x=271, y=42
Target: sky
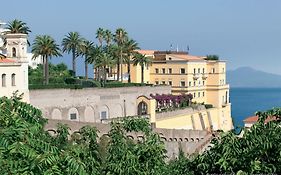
x=242, y=32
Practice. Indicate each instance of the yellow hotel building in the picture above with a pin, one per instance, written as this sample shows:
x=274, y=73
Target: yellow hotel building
x=204, y=79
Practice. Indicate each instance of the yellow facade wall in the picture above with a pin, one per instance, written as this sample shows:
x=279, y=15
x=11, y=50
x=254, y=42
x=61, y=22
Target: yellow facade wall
x=214, y=118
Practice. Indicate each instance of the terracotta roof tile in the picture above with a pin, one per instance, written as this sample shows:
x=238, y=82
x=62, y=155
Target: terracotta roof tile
x=186, y=57
x=5, y=60
x=146, y=52
x=254, y=119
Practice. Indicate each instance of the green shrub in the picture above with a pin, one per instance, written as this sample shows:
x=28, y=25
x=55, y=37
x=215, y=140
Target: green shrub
x=55, y=86
x=207, y=106
x=89, y=83
x=72, y=80
x=56, y=80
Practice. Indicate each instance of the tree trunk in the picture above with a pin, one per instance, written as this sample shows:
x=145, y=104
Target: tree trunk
x=121, y=62
x=86, y=70
x=44, y=70
x=73, y=63
x=118, y=68
x=47, y=70
x=142, y=74
x=129, y=72
x=104, y=75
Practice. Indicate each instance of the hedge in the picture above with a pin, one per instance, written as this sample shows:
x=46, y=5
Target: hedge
x=207, y=106
x=119, y=84
x=55, y=86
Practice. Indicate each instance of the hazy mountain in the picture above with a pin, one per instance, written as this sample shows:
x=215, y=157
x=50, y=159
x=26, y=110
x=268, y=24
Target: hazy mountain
x=249, y=77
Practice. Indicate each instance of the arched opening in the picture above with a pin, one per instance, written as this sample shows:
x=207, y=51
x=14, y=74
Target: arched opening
x=142, y=108
x=89, y=114
x=56, y=114
x=73, y=114
x=14, y=52
x=3, y=80
x=13, y=79
x=104, y=113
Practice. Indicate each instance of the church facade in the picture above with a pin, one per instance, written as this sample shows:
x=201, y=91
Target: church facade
x=14, y=67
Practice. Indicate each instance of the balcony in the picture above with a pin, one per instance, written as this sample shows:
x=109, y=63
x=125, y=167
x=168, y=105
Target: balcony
x=204, y=76
x=196, y=76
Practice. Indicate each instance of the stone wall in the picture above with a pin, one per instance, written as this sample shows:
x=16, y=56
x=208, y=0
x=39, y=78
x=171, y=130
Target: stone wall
x=91, y=104
x=190, y=141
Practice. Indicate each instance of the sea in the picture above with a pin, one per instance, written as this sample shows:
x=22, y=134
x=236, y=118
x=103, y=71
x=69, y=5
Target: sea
x=246, y=101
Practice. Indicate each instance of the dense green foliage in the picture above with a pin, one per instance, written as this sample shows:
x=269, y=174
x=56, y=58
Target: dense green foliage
x=57, y=74
x=46, y=47
x=212, y=57
x=25, y=148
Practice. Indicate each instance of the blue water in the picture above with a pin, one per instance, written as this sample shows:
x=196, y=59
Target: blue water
x=246, y=101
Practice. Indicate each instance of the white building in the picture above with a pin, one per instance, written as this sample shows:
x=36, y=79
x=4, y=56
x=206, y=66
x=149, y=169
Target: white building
x=33, y=63
x=14, y=67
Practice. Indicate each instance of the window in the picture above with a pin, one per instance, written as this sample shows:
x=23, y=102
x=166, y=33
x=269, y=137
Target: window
x=194, y=95
x=194, y=83
x=13, y=79
x=194, y=70
x=170, y=70
x=198, y=94
x=199, y=82
x=203, y=70
x=170, y=83
x=103, y=115
x=170, y=58
x=203, y=94
x=14, y=52
x=213, y=70
x=142, y=108
x=199, y=70
x=163, y=82
x=182, y=71
x=156, y=71
x=163, y=70
x=223, y=70
x=3, y=80
x=203, y=83
x=189, y=83
x=73, y=116
x=157, y=82
x=182, y=83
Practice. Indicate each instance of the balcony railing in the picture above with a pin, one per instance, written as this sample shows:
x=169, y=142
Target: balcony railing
x=196, y=76
x=204, y=76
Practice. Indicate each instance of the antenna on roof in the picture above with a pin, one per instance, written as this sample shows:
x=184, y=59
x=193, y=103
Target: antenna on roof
x=187, y=48
x=177, y=48
x=171, y=47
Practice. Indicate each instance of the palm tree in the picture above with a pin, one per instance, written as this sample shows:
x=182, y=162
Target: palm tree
x=108, y=37
x=105, y=60
x=85, y=50
x=45, y=46
x=18, y=26
x=93, y=57
x=100, y=35
x=72, y=43
x=142, y=60
x=130, y=46
x=120, y=37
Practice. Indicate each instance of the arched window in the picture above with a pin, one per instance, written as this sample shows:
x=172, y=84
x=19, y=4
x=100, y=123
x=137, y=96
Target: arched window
x=3, y=80
x=13, y=79
x=142, y=108
x=14, y=52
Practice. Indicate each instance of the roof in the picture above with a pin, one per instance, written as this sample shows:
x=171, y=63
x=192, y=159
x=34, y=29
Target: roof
x=5, y=60
x=254, y=119
x=146, y=52
x=186, y=57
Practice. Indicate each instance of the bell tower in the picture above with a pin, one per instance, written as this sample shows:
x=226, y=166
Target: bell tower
x=17, y=47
